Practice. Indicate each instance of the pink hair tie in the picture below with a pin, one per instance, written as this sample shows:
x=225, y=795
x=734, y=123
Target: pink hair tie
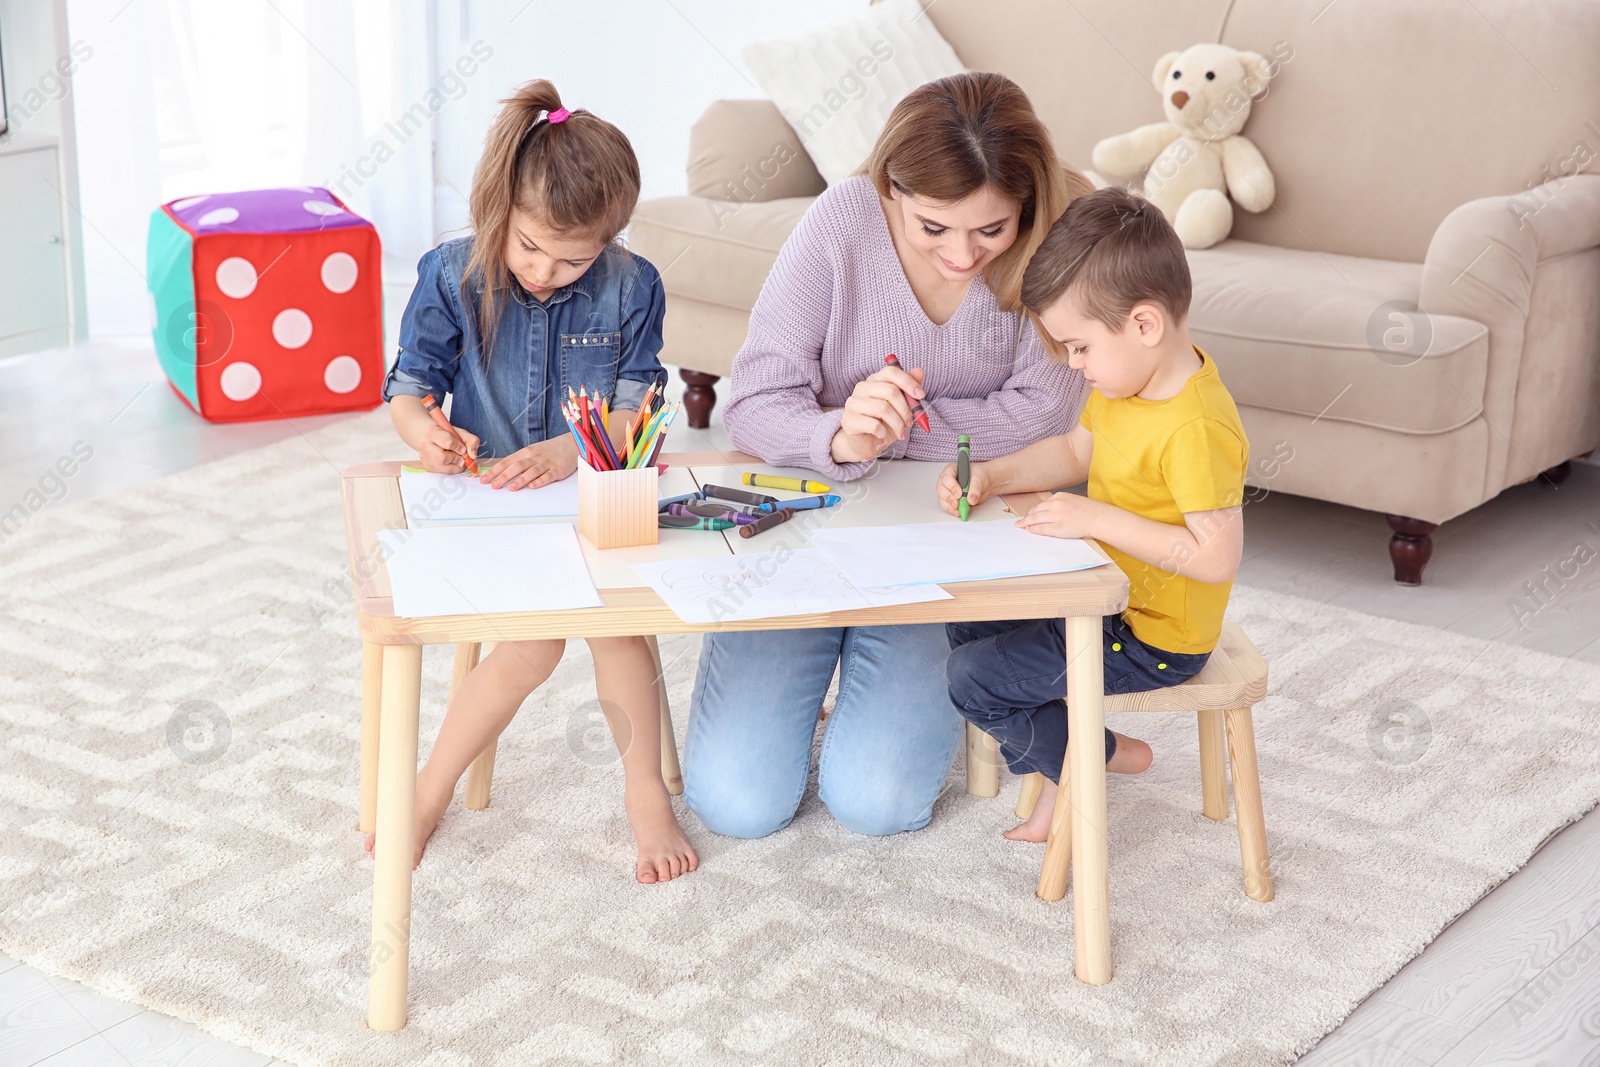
x=560, y=114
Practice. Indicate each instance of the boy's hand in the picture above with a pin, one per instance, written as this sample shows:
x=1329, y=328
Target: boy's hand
x=441, y=453
x=1063, y=515
x=949, y=489
x=876, y=415
x=534, y=466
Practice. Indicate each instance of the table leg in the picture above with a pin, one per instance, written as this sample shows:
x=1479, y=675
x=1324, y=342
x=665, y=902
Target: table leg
x=371, y=688
x=397, y=806
x=1086, y=720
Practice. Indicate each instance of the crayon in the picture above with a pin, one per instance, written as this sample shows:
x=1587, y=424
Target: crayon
x=964, y=472
x=744, y=509
x=805, y=503
x=431, y=406
x=738, y=495
x=767, y=522
x=688, y=522
x=662, y=505
x=773, y=481
x=709, y=509
x=916, y=405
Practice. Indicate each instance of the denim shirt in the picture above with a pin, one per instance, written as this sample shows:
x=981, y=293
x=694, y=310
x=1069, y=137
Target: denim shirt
x=602, y=332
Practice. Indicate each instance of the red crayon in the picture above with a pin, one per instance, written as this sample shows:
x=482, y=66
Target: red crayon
x=431, y=406
x=916, y=405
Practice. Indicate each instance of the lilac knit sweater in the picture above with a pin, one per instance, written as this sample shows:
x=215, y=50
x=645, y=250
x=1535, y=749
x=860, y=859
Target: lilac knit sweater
x=837, y=301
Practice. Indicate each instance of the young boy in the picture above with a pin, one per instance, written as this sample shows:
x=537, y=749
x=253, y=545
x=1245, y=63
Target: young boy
x=1164, y=453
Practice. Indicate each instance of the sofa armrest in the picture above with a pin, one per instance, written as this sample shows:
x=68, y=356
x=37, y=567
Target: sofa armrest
x=744, y=150
x=1481, y=265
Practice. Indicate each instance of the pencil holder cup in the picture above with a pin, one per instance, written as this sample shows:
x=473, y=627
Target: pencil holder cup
x=617, y=509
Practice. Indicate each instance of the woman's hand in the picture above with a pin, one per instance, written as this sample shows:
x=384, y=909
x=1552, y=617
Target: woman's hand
x=877, y=414
x=529, y=468
x=441, y=453
x=979, y=482
x=1063, y=515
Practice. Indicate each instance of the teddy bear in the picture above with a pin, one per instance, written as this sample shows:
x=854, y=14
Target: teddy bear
x=1194, y=160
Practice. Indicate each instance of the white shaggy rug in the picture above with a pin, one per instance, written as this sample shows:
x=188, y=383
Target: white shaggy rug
x=214, y=872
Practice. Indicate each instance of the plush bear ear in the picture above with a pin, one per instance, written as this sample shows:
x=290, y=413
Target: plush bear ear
x=1163, y=68
x=1257, y=72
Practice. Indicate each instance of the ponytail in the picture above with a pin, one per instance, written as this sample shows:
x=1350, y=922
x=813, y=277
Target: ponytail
x=573, y=171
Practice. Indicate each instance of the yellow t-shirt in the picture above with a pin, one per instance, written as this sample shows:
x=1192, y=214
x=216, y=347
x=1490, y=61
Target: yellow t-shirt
x=1160, y=459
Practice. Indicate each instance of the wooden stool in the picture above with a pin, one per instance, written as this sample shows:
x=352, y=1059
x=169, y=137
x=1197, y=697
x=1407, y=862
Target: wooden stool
x=1232, y=682
x=481, y=773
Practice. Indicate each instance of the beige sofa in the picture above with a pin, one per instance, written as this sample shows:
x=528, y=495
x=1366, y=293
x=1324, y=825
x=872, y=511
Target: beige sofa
x=1420, y=150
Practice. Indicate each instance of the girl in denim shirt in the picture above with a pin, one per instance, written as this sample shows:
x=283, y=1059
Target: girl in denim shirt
x=538, y=301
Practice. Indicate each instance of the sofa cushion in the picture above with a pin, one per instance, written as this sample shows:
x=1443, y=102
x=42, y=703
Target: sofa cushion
x=744, y=150
x=717, y=251
x=1335, y=337
x=837, y=85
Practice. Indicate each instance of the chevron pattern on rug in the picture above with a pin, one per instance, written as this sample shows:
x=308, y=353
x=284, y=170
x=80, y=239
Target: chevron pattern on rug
x=179, y=713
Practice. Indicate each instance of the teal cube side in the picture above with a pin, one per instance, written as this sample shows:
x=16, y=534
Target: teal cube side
x=169, y=270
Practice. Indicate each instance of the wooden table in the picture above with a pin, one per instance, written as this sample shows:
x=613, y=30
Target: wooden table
x=392, y=664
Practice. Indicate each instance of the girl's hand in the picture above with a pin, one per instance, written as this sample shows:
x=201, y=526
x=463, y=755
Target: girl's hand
x=441, y=453
x=876, y=415
x=950, y=490
x=529, y=468
x=1063, y=515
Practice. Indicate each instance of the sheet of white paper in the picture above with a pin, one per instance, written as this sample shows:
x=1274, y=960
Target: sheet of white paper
x=439, y=498
x=765, y=585
x=481, y=570
x=872, y=556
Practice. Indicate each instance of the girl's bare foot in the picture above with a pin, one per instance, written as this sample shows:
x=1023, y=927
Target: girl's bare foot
x=431, y=802
x=664, y=850
x=1133, y=756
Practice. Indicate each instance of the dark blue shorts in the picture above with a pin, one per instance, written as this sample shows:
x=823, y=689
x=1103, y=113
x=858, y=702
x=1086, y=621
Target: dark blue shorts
x=1010, y=680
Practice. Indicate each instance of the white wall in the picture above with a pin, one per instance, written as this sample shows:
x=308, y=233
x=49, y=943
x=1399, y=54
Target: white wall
x=183, y=97
x=650, y=66
x=41, y=67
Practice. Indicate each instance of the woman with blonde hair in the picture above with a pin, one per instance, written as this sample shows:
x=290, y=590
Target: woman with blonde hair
x=921, y=255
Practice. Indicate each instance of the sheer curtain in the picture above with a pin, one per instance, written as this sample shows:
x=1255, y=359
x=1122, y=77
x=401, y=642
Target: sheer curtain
x=182, y=97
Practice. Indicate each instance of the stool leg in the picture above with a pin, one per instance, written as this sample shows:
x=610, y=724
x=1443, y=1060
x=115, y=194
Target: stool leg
x=983, y=763
x=1247, y=798
x=1032, y=786
x=371, y=695
x=1213, y=766
x=1058, y=846
x=671, y=772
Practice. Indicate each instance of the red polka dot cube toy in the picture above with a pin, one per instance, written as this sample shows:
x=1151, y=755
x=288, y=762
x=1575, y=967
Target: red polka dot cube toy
x=269, y=304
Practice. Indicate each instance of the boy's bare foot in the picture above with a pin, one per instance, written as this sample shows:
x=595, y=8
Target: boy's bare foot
x=1133, y=756
x=431, y=803
x=1037, y=828
x=664, y=850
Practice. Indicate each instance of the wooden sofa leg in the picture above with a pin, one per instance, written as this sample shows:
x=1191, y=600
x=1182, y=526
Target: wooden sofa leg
x=1553, y=477
x=699, y=398
x=1410, y=547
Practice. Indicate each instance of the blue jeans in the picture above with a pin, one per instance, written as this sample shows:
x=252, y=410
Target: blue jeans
x=1009, y=679
x=889, y=744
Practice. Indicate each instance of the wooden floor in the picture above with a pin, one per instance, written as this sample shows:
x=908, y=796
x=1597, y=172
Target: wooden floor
x=1516, y=980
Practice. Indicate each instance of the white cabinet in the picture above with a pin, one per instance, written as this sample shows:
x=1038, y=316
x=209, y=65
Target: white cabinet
x=34, y=293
